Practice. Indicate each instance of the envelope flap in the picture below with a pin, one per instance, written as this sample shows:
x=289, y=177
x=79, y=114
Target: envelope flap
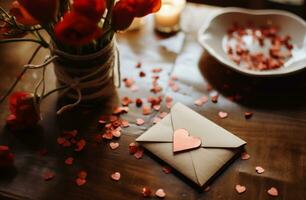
x=161, y=132
x=211, y=134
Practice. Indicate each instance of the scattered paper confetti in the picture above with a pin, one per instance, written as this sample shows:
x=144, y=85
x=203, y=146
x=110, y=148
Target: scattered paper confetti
x=142, y=74
x=207, y=189
x=80, y=181
x=138, y=102
x=48, y=175
x=163, y=114
x=140, y=121
x=114, y=145
x=69, y=161
x=139, y=154
x=167, y=170
x=156, y=120
x=134, y=88
x=138, y=65
x=128, y=82
x=146, y=192
x=133, y=148
x=245, y=156
x=223, y=115
x=80, y=145
x=248, y=115
x=116, y=133
x=259, y=169
x=116, y=176
x=126, y=101
x=156, y=70
x=125, y=123
x=146, y=110
x=156, y=107
x=160, y=193
x=215, y=98
x=273, y=192
x=201, y=101
x=240, y=189
x=82, y=174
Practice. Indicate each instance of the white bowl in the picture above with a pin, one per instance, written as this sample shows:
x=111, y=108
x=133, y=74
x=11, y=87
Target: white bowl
x=214, y=30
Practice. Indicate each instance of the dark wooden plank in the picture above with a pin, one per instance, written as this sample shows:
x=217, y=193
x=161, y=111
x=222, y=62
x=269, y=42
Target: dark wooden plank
x=276, y=134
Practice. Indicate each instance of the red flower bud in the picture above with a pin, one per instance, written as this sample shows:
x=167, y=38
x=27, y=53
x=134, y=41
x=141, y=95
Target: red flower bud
x=23, y=113
x=76, y=30
x=6, y=157
x=145, y=7
x=93, y=9
x=22, y=15
x=122, y=15
x=42, y=10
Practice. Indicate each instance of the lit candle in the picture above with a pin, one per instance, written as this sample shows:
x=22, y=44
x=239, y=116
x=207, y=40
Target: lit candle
x=167, y=19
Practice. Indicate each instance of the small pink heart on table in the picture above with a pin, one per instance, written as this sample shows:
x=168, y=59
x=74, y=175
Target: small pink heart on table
x=222, y=114
x=183, y=141
x=273, y=192
x=259, y=169
x=160, y=193
x=240, y=189
x=114, y=145
x=116, y=176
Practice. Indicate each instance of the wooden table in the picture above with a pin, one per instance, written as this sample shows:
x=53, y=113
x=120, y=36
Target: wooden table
x=276, y=134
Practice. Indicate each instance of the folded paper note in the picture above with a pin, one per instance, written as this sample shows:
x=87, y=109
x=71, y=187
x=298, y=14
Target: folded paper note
x=193, y=145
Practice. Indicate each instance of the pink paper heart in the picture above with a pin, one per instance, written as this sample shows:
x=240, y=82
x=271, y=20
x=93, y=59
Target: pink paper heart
x=160, y=193
x=183, y=141
x=116, y=176
x=114, y=145
x=223, y=115
x=273, y=192
x=259, y=169
x=240, y=189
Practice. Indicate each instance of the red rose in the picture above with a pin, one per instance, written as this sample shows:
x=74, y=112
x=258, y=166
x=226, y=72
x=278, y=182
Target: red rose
x=23, y=113
x=93, y=9
x=122, y=15
x=76, y=30
x=44, y=11
x=22, y=15
x=145, y=7
x=6, y=157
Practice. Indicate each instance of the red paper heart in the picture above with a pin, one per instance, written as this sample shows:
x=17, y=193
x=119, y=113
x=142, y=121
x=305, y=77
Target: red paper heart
x=183, y=141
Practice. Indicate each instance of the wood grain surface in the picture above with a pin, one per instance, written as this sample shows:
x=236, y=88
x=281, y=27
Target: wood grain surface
x=275, y=135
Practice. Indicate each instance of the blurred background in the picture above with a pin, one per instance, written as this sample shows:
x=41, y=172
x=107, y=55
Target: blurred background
x=296, y=6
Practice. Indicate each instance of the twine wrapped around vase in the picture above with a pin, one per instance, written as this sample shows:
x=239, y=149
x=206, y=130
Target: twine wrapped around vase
x=88, y=77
